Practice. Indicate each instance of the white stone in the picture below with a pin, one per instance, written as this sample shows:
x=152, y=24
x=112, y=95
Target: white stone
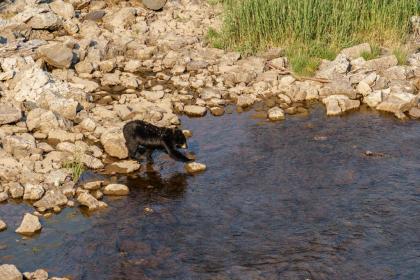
x=116, y=189
x=275, y=114
x=194, y=167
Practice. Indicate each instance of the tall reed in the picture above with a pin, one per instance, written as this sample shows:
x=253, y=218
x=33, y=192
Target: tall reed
x=317, y=28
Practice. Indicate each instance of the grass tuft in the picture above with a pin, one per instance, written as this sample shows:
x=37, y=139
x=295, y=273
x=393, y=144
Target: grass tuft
x=75, y=166
x=319, y=28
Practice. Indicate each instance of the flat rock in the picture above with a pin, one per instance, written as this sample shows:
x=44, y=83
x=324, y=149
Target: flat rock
x=194, y=167
x=94, y=185
x=57, y=55
x=114, y=143
x=91, y=202
x=195, y=110
x=47, y=20
x=116, y=189
x=382, y=63
x=10, y=272
x=357, y=51
x=124, y=166
x=154, y=4
x=275, y=114
x=30, y=224
x=9, y=114
x=3, y=225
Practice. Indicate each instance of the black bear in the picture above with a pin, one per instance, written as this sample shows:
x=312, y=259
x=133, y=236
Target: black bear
x=142, y=138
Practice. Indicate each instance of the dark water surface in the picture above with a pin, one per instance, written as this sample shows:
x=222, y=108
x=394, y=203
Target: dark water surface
x=288, y=200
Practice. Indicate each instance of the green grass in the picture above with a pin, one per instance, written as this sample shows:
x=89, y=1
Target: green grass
x=401, y=54
x=319, y=28
x=76, y=167
x=376, y=52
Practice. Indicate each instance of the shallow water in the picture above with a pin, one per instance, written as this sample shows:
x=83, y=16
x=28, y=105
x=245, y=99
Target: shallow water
x=288, y=200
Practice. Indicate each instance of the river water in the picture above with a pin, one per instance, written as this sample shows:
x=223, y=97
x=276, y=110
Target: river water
x=298, y=199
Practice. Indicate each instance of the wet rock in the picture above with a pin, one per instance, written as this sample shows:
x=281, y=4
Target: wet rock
x=63, y=9
x=9, y=114
x=116, y=189
x=125, y=166
x=357, y=51
x=39, y=274
x=33, y=192
x=94, y=185
x=16, y=190
x=194, y=167
x=276, y=114
x=217, y=111
x=338, y=104
x=397, y=103
x=91, y=202
x=3, y=226
x=382, y=63
x=52, y=198
x=195, y=111
x=114, y=143
x=57, y=55
x=10, y=272
x=30, y=225
x=154, y=4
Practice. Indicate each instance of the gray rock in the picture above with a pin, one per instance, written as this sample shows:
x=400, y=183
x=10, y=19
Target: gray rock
x=30, y=225
x=10, y=272
x=57, y=55
x=9, y=114
x=397, y=103
x=95, y=15
x=338, y=87
x=154, y=4
x=116, y=189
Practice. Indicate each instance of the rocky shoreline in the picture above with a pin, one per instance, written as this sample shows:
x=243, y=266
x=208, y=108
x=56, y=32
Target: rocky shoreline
x=73, y=72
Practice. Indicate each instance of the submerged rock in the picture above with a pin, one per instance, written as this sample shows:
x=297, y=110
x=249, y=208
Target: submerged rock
x=3, y=225
x=116, y=189
x=91, y=202
x=30, y=224
x=275, y=114
x=10, y=272
x=194, y=167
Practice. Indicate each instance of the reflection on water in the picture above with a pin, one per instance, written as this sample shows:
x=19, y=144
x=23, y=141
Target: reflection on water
x=298, y=199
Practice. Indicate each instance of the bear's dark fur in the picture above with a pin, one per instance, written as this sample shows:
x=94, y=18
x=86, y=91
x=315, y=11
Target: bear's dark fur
x=142, y=138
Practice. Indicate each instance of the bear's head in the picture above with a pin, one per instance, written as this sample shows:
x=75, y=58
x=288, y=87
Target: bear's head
x=179, y=138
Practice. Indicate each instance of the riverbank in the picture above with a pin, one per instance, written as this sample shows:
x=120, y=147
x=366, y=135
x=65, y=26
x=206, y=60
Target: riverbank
x=73, y=73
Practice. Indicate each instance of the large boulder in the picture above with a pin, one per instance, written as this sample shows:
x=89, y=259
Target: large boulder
x=114, y=143
x=397, y=103
x=10, y=272
x=57, y=55
x=30, y=225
